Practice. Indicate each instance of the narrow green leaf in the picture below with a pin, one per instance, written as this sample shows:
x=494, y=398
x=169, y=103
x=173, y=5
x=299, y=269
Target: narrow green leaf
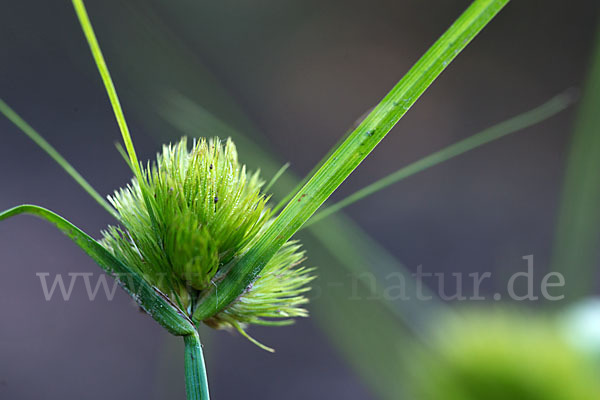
x=123, y=154
x=577, y=235
x=277, y=175
x=51, y=151
x=514, y=124
x=88, y=31
x=370, y=339
x=150, y=299
x=349, y=154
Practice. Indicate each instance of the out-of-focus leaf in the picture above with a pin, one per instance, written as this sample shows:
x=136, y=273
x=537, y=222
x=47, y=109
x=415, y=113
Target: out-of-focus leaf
x=512, y=125
x=577, y=238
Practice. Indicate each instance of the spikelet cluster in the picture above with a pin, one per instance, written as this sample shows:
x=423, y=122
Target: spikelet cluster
x=197, y=210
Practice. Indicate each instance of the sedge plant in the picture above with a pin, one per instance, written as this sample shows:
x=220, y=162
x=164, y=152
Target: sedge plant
x=197, y=240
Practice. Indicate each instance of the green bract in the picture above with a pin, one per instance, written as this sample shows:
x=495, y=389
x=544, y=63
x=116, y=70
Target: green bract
x=196, y=211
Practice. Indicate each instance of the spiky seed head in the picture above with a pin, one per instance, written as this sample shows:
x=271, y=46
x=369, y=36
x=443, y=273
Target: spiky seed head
x=196, y=210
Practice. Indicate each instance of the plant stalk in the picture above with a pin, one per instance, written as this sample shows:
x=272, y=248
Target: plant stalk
x=196, y=382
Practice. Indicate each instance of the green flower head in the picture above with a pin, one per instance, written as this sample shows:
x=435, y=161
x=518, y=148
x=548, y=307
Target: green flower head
x=196, y=211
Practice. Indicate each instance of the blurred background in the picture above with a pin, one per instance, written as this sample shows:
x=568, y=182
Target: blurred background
x=286, y=80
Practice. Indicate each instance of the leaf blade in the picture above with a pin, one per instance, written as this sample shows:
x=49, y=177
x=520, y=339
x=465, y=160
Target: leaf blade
x=577, y=232
x=512, y=125
x=90, y=36
x=350, y=154
x=55, y=155
x=151, y=300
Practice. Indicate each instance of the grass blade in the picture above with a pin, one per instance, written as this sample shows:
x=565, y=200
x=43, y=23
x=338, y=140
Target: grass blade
x=515, y=124
x=369, y=338
x=578, y=227
x=51, y=151
x=349, y=154
x=277, y=175
x=88, y=31
x=151, y=300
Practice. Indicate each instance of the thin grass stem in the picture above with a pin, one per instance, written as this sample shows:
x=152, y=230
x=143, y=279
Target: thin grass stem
x=51, y=151
x=88, y=31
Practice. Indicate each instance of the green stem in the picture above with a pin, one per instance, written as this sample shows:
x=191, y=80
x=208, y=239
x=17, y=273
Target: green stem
x=196, y=382
x=349, y=155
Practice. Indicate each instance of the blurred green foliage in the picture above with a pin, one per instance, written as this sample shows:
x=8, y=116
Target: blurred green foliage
x=499, y=354
x=577, y=239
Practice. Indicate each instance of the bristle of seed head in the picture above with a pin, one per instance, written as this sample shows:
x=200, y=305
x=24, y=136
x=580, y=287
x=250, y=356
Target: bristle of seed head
x=208, y=209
